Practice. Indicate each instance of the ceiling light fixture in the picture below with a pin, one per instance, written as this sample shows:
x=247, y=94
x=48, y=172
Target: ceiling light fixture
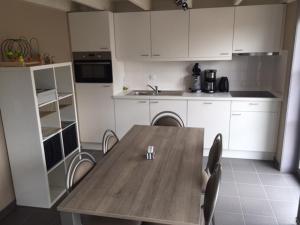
x=183, y=4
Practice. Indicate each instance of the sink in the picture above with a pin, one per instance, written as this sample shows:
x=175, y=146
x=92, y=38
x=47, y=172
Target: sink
x=252, y=94
x=151, y=93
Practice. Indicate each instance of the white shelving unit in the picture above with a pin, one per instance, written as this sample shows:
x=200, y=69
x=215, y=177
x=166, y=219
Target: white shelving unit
x=41, y=128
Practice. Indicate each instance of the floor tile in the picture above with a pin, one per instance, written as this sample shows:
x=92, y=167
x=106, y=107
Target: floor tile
x=228, y=189
x=247, y=178
x=265, y=167
x=242, y=165
x=251, y=191
x=286, y=194
x=256, y=207
x=286, y=221
x=272, y=179
x=260, y=220
x=227, y=175
x=223, y=218
x=285, y=209
x=291, y=180
x=226, y=164
x=229, y=204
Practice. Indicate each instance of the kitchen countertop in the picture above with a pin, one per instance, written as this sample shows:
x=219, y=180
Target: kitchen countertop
x=220, y=96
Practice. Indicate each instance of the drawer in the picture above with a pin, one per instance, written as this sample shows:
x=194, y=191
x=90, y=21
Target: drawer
x=255, y=106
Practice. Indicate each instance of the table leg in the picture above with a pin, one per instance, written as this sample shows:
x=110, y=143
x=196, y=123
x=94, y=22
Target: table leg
x=70, y=218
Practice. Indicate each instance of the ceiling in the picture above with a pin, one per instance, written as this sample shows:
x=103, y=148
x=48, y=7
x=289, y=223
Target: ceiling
x=139, y=5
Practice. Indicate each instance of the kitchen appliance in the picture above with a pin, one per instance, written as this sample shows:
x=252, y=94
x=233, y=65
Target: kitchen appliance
x=210, y=77
x=196, y=79
x=224, y=84
x=93, y=67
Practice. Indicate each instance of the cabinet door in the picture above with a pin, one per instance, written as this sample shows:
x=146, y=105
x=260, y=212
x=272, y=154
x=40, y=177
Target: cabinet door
x=89, y=31
x=258, y=28
x=177, y=106
x=95, y=111
x=213, y=116
x=169, y=33
x=211, y=32
x=130, y=113
x=253, y=131
x=132, y=34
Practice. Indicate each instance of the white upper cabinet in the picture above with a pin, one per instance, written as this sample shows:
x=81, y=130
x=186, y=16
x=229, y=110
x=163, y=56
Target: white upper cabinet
x=169, y=33
x=258, y=28
x=132, y=34
x=89, y=31
x=211, y=33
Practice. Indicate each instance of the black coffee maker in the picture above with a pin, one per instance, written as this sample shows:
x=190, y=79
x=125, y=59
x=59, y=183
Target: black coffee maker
x=210, y=79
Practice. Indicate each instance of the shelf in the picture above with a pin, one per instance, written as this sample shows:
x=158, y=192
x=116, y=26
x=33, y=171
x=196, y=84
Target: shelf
x=47, y=103
x=49, y=132
x=46, y=113
x=56, y=192
x=66, y=124
x=55, y=166
x=62, y=106
x=64, y=95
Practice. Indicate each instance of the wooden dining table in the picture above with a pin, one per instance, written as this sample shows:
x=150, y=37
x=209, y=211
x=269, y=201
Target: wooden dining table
x=125, y=185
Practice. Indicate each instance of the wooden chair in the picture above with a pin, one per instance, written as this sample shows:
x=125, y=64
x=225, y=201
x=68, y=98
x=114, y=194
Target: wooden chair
x=109, y=140
x=211, y=196
x=79, y=167
x=214, y=157
x=167, y=118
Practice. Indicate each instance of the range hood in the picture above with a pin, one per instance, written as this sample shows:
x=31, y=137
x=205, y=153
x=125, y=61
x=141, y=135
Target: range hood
x=257, y=54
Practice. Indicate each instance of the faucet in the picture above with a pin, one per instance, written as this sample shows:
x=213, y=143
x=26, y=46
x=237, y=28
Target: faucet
x=155, y=89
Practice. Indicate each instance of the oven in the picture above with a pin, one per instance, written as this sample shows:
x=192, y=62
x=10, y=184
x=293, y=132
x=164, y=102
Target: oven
x=93, y=67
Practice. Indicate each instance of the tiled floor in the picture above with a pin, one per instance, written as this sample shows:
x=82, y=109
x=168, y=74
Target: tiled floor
x=252, y=193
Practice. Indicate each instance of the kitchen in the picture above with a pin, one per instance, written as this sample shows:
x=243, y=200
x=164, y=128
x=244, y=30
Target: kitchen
x=223, y=67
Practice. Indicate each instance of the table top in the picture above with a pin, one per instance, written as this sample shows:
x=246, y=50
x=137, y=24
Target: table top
x=127, y=186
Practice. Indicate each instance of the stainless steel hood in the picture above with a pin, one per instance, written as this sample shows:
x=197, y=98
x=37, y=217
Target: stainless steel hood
x=257, y=54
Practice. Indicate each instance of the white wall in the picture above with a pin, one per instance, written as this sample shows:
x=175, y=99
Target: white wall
x=244, y=73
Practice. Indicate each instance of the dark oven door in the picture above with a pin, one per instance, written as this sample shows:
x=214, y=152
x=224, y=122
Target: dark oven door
x=94, y=71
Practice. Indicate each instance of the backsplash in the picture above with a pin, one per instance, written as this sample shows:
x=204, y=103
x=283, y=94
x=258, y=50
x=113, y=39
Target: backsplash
x=244, y=73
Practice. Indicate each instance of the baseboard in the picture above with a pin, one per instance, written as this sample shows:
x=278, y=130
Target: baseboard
x=7, y=210
x=276, y=163
x=245, y=154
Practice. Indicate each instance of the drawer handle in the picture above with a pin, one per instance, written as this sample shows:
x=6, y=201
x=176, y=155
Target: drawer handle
x=144, y=54
x=106, y=86
x=104, y=48
x=236, y=114
x=142, y=101
x=253, y=103
x=207, y=103
x=224, y=53
x=155, y=102
x=238, y=50
x=156, y=55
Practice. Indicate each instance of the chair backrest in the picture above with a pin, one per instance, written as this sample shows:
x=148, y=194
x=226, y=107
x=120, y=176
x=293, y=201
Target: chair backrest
x=80, y=165
x=215, y=153
x=109, y=140
x=167, y=118
x=211, y=194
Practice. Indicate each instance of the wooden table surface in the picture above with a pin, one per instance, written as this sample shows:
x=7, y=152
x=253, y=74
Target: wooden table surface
x=125, y=185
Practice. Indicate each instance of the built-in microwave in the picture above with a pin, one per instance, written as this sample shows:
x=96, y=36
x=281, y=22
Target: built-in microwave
x=93, y=67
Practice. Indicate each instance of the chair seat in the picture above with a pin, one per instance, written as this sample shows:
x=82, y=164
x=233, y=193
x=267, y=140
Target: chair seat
x=205, y=178
x=96, y=220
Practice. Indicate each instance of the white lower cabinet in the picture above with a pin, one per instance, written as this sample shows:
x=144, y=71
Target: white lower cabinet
x=177, y=106
x=213, y=116
x=129, y=113
x=253, y=131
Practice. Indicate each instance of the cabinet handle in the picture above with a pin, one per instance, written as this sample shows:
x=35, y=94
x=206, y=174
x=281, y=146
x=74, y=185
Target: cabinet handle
x=154, y=102
x=238, y=50
x=253, y=103
x=106, y=86
x=104, y=48
x=236, y=114
x=156, y=55
x=224, y=53
x=207, y=103
x=144, y=54
x=142, y=101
